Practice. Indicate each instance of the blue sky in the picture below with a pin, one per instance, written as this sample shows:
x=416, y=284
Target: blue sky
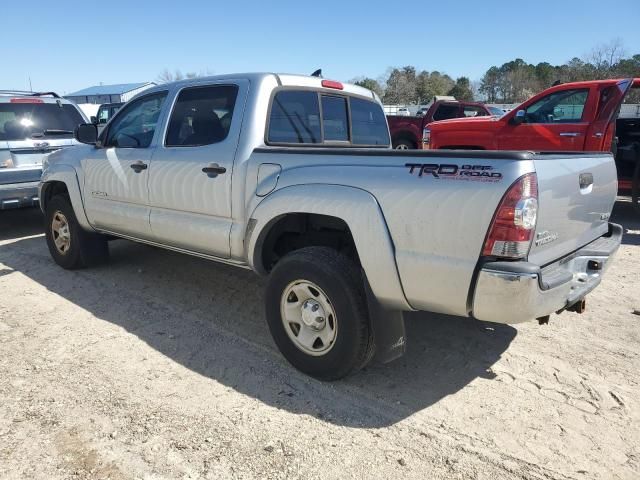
x=66, y=46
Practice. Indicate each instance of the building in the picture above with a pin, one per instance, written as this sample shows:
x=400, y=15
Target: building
x=100, y=94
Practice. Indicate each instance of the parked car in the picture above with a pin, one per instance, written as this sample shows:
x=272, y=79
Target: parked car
x=294, y=177
x=32, y=125
x=403, y=112
x=406, y=132
x=578, y=116
x=104, y=114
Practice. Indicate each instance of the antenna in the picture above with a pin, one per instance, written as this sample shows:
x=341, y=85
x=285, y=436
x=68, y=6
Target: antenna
x=30, y=87
x=317, y=73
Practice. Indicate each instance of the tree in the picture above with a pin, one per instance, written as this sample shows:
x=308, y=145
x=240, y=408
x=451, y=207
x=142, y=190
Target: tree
x=166, y=76
x=369, y=83
x=489, y=84
x=462, y=90
x=401, y=86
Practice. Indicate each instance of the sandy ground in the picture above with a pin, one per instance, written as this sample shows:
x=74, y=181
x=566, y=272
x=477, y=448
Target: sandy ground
x=161, y=366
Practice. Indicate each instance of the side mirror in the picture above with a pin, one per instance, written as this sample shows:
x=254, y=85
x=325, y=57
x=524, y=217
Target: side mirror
x=518, y=118
x=93, y=119
x=86, y=133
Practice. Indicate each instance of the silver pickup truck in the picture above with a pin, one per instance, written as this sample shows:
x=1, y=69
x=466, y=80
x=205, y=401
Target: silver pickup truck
x=294, y=177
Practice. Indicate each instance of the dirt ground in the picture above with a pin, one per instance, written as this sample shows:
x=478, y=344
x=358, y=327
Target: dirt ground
x=160, y=366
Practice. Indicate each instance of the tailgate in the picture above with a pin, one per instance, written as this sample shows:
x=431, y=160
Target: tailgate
x=576, y=193
x=31, y=152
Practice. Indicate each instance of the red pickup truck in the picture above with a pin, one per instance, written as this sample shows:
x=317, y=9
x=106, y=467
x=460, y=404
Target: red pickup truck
x=406, y=132
x=571, y=116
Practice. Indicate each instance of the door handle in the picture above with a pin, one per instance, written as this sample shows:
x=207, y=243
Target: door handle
x=597, y=134
x=213, y=170
x=569, y=134
x=585, y=180
x=138, y=166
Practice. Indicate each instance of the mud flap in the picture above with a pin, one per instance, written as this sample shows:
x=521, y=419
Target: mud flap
x=388, y=329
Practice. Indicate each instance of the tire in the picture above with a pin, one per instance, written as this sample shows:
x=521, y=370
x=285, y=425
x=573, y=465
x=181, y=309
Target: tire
x=83, y=248
x=403, y=144
x=336, y=279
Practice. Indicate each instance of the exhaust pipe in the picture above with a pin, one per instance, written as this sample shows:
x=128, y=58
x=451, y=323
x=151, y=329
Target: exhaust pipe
x=579, y=307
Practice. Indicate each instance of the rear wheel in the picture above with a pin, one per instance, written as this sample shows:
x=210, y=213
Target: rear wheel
x=70, y=246
x=317, y=313
x=404, y=144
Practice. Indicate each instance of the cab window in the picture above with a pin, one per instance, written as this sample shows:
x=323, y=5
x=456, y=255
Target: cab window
x=566, y=106
x=334, y=119
x=310, y=117
x=473, y=111
x=368, y=123
x=201, y=116
x=446, y=111
x=295, y=118
x=136, y=124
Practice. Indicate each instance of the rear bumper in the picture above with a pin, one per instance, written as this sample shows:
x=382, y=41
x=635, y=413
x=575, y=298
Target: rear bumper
x=513, y=292
x=16, y=195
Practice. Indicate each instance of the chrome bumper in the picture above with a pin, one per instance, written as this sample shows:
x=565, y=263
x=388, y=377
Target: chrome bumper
x=514, y=292
x=16, y=195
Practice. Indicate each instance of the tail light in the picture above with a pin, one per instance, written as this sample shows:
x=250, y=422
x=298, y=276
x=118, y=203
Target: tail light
x=426, y=138
x=25, y=100
x=514, y=222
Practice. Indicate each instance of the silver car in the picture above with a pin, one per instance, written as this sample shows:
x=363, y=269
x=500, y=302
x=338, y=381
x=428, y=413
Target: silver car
x=32, y=125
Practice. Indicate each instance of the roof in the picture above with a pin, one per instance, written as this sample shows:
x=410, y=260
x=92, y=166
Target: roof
x=117, y=89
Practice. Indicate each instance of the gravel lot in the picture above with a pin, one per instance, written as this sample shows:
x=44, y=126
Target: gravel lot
x=160, y=365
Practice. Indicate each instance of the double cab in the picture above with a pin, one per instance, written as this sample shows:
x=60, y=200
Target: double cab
x=294, y=177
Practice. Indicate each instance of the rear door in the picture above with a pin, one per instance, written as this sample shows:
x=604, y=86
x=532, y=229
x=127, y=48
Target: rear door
x=555, y=122
x=602, y=129
x=115, y=189
x=190, y=175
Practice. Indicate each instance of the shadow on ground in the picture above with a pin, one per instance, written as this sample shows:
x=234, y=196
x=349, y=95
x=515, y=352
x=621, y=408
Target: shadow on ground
x=209, y=318
x=625, y=214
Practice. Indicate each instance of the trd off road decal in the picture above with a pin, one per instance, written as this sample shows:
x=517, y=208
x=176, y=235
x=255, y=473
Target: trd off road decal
x=480, y=173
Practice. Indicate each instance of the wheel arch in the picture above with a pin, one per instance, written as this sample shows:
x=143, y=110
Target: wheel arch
x=352, y=211
x=63, y=179
x=405, y=135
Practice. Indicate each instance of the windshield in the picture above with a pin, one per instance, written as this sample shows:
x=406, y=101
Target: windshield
x=496, y=111
x=40, y=120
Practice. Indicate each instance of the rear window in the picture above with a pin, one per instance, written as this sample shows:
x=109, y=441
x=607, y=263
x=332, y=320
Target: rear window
x=334, y=119
x=309, y=117
x=41, y=120
x=446, y=111
x=368, y=123
x=295, y=118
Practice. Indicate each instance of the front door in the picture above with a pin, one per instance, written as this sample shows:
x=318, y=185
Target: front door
x=115, y=190
x=552, y=123
x=190, y=176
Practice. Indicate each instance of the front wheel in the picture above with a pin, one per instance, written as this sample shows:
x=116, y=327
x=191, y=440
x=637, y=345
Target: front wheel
x=69, y=244
x=317, y=313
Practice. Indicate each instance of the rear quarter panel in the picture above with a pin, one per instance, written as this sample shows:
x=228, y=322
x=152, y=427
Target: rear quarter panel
x=437, y=225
